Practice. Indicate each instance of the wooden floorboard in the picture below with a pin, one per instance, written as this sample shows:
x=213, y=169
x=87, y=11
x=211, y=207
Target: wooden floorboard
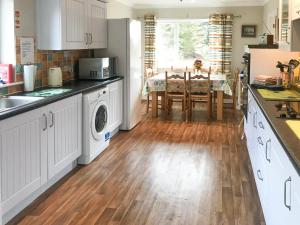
x=165, y=171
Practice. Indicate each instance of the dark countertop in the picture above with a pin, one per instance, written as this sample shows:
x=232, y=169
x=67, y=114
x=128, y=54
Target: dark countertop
x=285, y=135
x=77, y=87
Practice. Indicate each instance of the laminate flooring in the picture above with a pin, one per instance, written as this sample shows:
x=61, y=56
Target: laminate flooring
x=163, y=172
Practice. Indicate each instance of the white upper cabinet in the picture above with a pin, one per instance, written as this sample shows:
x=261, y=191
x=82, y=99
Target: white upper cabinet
x=296, y=9
x=97, y=24
x=71, y=24
x=289, y=29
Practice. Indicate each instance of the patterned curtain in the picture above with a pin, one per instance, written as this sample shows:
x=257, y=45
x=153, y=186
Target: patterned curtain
x=220, y=42
x=150, y=26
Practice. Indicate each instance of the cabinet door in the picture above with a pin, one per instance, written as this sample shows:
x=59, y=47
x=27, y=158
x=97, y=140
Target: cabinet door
x=97, y=24
x=23, y=147
x=296, y=9
x=115, y=105
x=75, y=26
x=64, y=133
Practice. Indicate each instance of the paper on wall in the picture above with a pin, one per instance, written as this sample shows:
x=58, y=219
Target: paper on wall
x=27, y=50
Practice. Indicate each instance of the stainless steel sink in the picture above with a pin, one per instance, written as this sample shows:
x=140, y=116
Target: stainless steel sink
x=10, y=102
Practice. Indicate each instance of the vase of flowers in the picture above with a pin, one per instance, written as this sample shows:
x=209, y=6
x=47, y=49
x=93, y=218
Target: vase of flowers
x=197, y=66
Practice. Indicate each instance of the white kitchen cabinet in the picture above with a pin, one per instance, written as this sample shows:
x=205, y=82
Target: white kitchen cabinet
x=97, y=24
x=277, y=181
x=115, y=105
x=64, y=133
x=37, y=145
x=23, y=146
x=296, y=9
x=71, y=24
x=289, y=29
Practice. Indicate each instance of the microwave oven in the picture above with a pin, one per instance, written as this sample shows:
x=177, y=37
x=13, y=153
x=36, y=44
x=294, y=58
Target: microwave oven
x=96, y=68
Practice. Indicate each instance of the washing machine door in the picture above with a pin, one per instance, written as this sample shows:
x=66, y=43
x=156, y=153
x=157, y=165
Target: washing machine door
x=99, y=120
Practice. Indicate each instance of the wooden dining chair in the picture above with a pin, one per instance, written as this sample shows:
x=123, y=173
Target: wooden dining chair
x=199, y=90
x=175, y=91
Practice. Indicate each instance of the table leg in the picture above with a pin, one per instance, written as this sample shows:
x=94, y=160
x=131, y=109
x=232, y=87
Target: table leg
x=163, y=100
x=154, y=104
x=220, y=96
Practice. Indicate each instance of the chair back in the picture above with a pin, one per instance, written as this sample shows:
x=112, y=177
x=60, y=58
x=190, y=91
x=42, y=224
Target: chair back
x=200, y=83
x=175, y=83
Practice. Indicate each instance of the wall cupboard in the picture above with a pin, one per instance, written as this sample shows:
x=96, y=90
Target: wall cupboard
x=71, y=24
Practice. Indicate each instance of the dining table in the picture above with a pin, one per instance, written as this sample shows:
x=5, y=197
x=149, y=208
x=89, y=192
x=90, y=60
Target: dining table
x=156, y=86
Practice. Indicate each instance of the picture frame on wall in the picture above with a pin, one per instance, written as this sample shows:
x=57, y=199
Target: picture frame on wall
x=249, y=31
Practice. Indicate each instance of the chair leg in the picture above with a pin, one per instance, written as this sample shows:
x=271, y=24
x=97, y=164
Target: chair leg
x=148, y=103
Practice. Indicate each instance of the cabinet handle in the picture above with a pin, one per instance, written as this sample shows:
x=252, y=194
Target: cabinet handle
x=52, y=119
x=260, y=141
x=268, y=143
x=91, y=38
x=254, y=119
x=259, y=175
x=86, y=38
x=45, y=122
x=285, y=193
x=261, y=125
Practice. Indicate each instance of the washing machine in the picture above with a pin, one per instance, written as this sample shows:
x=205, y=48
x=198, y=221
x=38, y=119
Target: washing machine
x=95, y=136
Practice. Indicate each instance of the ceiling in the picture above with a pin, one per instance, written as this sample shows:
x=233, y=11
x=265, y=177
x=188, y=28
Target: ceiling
x=191, y=3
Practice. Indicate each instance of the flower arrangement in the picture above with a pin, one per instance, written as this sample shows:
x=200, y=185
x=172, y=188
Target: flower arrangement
x=198, y=64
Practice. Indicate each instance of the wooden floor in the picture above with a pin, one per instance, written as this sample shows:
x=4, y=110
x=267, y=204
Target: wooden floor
x=163, y=172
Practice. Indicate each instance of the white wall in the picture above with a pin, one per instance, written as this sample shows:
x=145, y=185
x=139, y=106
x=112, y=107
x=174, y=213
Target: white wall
x=7, y=38
x=27, y=17
x=270, y=12
x=116, y=9
x=250, y=15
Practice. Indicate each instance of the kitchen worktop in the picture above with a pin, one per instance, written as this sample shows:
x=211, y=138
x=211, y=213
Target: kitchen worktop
x=77, y=86
x=286, y=136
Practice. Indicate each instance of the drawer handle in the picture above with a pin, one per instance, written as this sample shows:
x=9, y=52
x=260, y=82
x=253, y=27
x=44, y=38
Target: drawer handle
x=259, y=175
x=261, y=125
x=268, y=143
x=260, y=141
x=289, y=180
x=45, y=122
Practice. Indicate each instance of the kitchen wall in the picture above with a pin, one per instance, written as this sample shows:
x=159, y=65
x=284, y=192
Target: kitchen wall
x=250, y=15
x=117, y=9
x=270, y=12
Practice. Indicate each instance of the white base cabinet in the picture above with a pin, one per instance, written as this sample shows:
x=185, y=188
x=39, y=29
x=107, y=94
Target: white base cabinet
x=35, y=146
x=115, y=105
x=277, y=181
x=23, y=146
x=64, y=133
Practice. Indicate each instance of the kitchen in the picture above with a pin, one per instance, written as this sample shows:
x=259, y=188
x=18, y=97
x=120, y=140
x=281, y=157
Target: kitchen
x=79, y=150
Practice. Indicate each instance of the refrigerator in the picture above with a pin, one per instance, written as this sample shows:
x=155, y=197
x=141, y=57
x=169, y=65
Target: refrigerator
x=124, y=43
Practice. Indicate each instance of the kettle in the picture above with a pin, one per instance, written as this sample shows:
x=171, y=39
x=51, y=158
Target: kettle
x=55, y=77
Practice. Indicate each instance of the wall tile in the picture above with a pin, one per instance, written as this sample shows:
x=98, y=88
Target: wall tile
x=46, y=59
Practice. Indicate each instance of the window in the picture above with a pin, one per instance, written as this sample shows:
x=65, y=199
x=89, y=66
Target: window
x=180, y=42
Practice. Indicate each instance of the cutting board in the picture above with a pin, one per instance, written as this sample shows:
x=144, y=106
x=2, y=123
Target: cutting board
x=295, y=126
x=286, y=95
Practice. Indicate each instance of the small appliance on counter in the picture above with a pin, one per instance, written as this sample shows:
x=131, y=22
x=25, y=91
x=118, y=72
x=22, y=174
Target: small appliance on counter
x=97, y=68
x=29, y=77
x=55, y=77
x=266, y=39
